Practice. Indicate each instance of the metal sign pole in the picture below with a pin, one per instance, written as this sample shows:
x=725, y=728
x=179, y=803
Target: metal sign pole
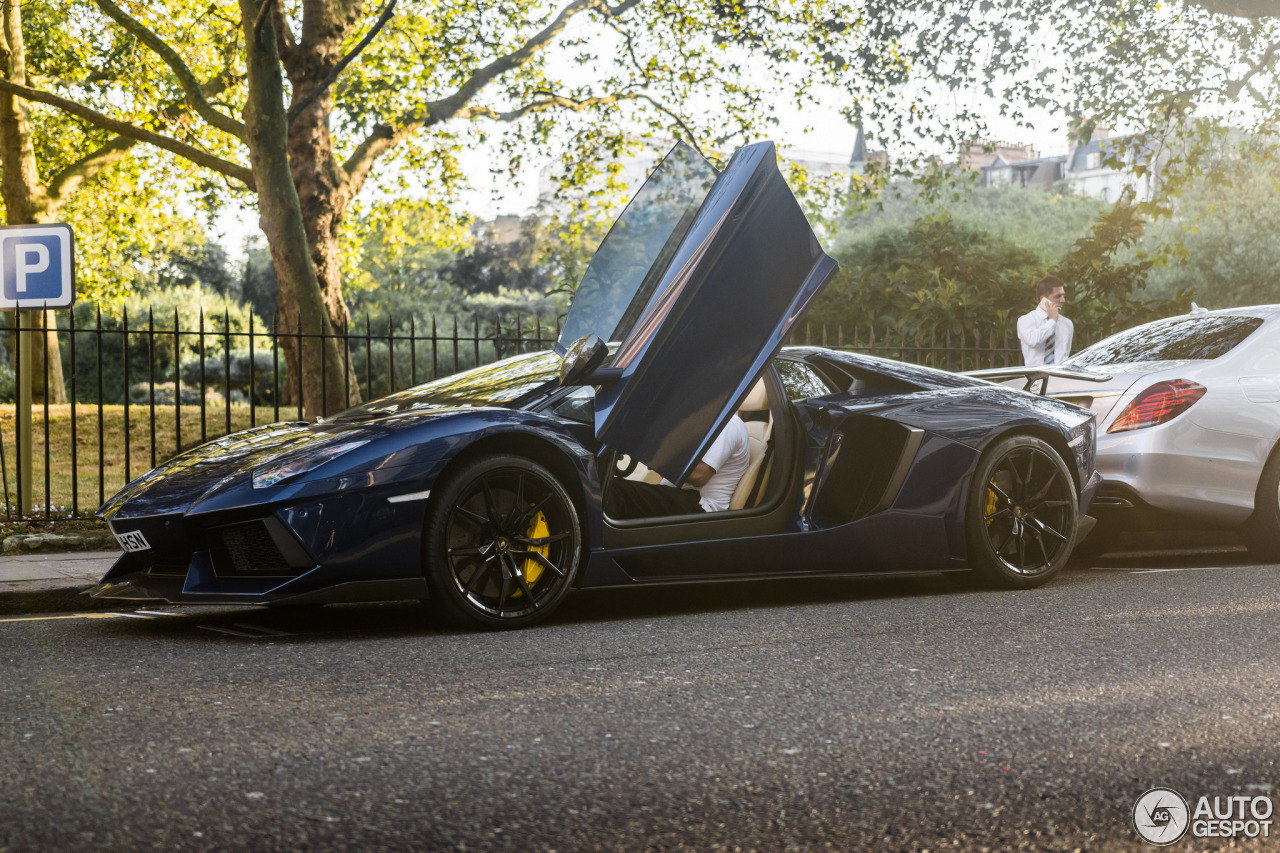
x=37, y=270
x=22, y=417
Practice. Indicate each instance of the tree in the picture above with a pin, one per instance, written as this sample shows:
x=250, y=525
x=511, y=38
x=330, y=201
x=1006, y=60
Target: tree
x=933, y=276
x=414, y=84
x=1226, y=225
x=55, y=167
x=968, y=265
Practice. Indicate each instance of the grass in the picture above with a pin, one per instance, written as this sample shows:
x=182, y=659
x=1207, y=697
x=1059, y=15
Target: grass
x=118, y=460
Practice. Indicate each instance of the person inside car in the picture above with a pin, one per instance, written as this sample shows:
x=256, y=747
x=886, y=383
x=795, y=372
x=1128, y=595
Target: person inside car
x=713, y=479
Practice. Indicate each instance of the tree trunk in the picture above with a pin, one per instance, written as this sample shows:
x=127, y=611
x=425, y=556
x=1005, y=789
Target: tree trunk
x=316, y=356
x=26, y=202
x=322, y=186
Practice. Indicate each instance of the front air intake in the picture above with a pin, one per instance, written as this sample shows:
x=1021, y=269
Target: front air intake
x=254, y=549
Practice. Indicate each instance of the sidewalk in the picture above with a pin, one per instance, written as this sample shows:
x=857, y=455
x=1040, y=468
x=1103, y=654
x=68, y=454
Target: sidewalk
x=51, y=583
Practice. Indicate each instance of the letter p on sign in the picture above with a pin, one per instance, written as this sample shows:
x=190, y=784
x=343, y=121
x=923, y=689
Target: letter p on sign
x=37, y=267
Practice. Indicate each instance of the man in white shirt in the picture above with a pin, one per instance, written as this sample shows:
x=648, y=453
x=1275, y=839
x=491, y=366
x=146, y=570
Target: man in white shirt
x=1045, y=334
x=714, y=479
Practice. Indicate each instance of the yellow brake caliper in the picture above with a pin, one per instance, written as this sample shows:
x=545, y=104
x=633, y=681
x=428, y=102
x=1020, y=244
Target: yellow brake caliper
x=990, y=507
x=532, y=568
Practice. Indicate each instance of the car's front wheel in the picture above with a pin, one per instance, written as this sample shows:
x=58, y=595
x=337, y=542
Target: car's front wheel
x=1022, y=513
x=503, y=543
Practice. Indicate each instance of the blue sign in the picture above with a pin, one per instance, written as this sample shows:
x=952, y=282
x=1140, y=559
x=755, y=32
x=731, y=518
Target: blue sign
x=37, y=266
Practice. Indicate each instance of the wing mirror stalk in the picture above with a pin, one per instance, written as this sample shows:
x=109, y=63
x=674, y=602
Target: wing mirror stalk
x=581, y=363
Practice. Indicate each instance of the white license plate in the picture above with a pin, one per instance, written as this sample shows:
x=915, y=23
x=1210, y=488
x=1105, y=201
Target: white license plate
x=133, y=541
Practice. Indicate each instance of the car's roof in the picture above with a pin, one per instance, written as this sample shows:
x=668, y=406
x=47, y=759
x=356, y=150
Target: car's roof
x=1263, y=312
x=1198, y=336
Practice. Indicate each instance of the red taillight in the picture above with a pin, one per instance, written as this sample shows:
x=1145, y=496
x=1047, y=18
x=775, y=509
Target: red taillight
x=1159, y=404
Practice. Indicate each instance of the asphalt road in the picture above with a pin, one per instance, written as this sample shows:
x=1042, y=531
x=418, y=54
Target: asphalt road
x=808, y=715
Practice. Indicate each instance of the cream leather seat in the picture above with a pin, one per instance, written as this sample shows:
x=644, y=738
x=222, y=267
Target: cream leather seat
x=756, y=414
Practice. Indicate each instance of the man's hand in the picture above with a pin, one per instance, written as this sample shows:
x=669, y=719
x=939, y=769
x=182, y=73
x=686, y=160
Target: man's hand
x=702, y=473
x=1049, y=307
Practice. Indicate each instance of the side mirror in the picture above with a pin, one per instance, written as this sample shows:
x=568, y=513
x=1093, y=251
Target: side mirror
x=582, y=358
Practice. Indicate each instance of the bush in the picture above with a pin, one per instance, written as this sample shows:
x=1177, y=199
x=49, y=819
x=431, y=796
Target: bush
x=217, y=368
x=152, y=356
x=140, y=394
x=8, y=384
x=933, y=276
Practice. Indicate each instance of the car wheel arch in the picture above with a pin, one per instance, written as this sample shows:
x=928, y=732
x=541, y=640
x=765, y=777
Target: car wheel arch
x=1050, y=437
x=546, y=453
x=1262, y=528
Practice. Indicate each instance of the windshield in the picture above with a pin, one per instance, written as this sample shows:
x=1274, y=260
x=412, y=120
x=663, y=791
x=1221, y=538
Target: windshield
x=1170, y=340
x=631, y=260
x=497, y=384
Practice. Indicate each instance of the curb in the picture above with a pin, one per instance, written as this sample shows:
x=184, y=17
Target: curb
x=52, y=596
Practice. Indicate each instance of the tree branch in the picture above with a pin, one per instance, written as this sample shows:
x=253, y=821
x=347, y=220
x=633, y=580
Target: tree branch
x=296, y=109
x=265, y=11
x=123, y=128
x=692, y=137
x=1264, y=63
x=384, y=137
x=285, y=42
x=69, y=179
x=448, y=106
x=186, y=79
x=547, y=103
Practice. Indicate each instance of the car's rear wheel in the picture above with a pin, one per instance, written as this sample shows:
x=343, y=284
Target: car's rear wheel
x=1022, y=513
x=503, y=543
x=1262, y=532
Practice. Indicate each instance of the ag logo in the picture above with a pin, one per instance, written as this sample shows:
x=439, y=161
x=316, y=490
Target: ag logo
x=1160, y=816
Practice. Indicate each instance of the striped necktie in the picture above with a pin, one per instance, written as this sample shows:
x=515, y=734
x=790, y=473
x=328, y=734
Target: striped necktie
x=1050, y=344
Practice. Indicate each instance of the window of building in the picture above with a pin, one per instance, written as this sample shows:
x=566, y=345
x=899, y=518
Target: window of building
x=1093, y=160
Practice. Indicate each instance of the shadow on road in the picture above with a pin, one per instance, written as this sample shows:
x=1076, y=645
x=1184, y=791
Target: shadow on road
x=406, y=619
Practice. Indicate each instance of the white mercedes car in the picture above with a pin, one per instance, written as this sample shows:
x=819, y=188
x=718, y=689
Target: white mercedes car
x=1188, y=416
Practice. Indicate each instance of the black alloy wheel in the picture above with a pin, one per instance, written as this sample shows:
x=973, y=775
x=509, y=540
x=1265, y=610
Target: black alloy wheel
x=503, y=543
x=1022, y=514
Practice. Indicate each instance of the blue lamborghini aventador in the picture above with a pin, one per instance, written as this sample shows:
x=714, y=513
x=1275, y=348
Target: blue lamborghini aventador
x=488, y=494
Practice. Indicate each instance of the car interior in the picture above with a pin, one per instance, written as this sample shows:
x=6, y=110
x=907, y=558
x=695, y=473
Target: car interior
x=756, y=414
x=762, y=502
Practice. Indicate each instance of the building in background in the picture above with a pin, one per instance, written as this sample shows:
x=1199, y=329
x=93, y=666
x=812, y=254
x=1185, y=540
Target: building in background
x=1084, y=169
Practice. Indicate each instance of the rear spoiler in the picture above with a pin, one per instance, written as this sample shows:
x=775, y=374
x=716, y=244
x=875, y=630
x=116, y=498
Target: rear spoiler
x=1041, y=374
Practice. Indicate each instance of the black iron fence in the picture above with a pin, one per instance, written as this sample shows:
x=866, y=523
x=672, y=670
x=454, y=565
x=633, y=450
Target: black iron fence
x=971, y=350
x=140, y=391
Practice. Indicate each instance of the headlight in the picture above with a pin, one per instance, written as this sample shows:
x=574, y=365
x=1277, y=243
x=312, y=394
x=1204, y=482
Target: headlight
x=309, y=461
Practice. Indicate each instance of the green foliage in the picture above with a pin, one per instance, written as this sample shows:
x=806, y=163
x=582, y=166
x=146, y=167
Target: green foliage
x=398, y=245
x=8, y=383
x=1048, y=222
x=934, y=276
x=124, y=203
x=1104, y=272
x=431, y=266
x=1225, y=227
x=968, y=264
x=158, y=309
x=229, y=375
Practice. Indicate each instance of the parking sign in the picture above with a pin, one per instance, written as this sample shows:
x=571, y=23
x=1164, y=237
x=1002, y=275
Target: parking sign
x=37, y=266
